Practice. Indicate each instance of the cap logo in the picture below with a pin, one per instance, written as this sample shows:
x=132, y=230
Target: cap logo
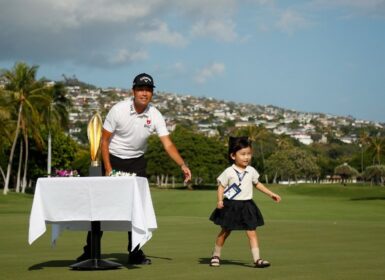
x=145, y=79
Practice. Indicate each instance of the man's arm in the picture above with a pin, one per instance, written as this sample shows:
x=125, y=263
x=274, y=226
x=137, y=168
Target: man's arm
x=172, y=151
x=106, y=137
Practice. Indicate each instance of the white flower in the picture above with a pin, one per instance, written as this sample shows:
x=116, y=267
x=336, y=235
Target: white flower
x=121, y=173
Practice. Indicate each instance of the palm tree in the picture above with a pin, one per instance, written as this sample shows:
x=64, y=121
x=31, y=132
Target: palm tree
x=363, y=143
x=26, y=92
x=284, y=143
x=377, y=147
x=6, y=125
x=55, y=116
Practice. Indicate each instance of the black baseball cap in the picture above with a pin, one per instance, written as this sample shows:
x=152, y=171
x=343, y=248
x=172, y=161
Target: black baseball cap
x=143, y=80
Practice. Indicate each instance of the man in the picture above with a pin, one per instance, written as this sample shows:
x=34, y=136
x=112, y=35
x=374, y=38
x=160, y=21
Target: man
x=126, y=129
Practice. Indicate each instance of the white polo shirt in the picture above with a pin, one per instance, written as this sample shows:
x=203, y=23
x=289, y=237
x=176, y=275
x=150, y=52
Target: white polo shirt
x=249, y=179
x=131, y=130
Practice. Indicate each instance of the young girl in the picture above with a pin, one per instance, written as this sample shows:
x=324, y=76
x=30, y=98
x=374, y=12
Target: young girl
x=236, y=209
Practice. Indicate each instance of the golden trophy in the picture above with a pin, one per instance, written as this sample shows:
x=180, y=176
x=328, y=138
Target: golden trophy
x=94, y=133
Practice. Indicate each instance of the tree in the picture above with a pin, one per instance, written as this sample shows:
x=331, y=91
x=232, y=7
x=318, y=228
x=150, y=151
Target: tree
x=292, y=164
x=377, y=148
x=65, y=155
x=206, y=157
x=6, y=126
x=346, y=172
x=81, y=136
x=316, y=137
x=26, y=92
x=376, y=174
x=55, y=115
x=158, y=163
x=330, y=155
x=280, y=167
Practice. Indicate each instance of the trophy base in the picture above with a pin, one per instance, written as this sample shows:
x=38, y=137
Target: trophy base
x=95, y=171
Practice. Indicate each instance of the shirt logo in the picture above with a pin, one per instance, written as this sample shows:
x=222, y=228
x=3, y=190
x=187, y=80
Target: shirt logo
x=148, y=123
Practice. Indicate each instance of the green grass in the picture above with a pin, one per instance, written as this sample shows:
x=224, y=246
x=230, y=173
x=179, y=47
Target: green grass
x=316, y=232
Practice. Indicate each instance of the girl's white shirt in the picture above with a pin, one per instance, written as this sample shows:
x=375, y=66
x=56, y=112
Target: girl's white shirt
x=230, y=176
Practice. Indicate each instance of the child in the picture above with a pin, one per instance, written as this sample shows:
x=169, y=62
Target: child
x=236, y=209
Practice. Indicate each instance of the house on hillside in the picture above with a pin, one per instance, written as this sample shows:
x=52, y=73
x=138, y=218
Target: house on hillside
x=281, y=130
x=349, y=139
x=303, y=138
x=244, y=124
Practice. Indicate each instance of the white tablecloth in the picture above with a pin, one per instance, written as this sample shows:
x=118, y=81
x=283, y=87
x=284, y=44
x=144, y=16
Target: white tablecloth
x=119, y=203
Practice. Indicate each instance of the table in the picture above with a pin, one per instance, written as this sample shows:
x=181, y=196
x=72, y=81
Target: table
x=119, y=203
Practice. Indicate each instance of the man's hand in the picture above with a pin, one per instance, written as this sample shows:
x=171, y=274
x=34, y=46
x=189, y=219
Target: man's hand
x=186, y=172
x=172, y=151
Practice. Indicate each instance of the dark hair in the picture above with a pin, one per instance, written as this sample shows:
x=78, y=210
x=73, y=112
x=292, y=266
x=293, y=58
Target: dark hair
x=236, y=144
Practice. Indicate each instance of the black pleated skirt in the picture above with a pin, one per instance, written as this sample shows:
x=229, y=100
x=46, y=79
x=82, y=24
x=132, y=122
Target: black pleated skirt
x=238, y=215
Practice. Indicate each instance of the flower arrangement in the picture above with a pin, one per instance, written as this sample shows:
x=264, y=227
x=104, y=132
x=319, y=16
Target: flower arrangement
x=115, y=173
x=66, y=173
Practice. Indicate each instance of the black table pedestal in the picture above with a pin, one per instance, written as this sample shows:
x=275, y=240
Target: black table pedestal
x=95, y=263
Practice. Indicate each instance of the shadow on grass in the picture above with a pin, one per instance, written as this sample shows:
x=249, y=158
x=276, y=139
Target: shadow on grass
x=161, y=258
x=368, y=198
x=119, y=258
x=206, y=261
x=59, y=263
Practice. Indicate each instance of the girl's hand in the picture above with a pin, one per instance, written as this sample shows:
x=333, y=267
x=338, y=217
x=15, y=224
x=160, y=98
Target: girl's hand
x=276, y=197
x=220, y=204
